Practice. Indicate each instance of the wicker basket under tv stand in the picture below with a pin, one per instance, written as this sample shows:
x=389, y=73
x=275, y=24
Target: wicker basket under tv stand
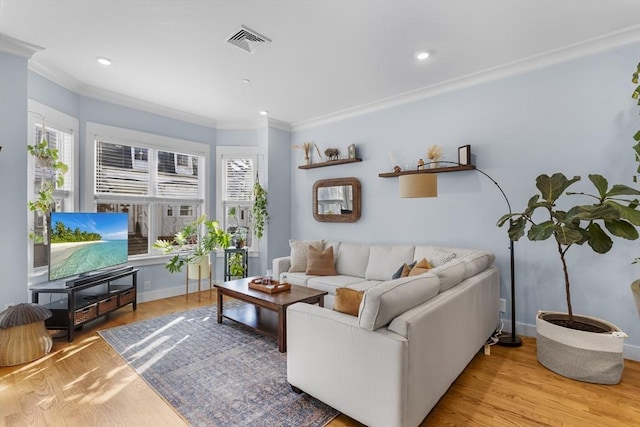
x=88, y=299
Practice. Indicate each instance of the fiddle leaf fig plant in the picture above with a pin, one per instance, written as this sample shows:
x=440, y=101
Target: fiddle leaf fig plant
x=188, y=248
x=609, y=215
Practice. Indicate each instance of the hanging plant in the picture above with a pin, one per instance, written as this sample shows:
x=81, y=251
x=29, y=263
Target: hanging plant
x=259, y=209
x=52, y=172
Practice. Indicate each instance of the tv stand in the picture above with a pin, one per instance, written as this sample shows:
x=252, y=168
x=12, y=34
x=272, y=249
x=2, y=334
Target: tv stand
x=88, y=298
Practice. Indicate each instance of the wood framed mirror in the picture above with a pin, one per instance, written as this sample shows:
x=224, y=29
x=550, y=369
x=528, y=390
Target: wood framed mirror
x=337, y=200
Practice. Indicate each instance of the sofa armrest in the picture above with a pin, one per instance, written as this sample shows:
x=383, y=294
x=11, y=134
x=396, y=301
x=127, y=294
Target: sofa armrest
x=280, y=265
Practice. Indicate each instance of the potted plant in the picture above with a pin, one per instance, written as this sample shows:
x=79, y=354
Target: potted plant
x=190, y=248
x=236, y=266
x=577, y=346
x=240, y=237
x=259, y=212
x=52, y=172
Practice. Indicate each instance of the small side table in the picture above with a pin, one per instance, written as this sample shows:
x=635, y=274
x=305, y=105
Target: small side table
x=228, y=254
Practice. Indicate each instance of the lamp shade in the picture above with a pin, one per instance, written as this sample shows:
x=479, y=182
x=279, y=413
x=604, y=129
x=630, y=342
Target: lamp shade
x=418, y=185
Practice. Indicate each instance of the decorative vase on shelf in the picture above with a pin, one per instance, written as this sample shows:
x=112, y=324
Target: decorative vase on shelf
x=433, y=164
x=307, y=160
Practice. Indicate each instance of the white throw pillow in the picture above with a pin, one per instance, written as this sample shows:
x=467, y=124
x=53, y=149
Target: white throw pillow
x=299, y=250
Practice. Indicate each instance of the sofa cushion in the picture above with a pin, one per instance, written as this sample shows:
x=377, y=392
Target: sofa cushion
x=348, y=301
x=299, y=279
x=330, y=283
x=451, y=273
x=336, y=246
x=478, y=261
x=382, y=303
x=384, y=261
x=299, y=250
x=320, y=263
x=352, y=259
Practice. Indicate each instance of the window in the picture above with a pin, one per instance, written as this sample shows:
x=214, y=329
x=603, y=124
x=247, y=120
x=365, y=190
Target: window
x=61, y=132
x=142, y=175
x=237, y=167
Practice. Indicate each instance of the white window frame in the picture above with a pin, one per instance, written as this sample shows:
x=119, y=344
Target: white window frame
x=97, y=131
x=240, y=152
x=56, y=120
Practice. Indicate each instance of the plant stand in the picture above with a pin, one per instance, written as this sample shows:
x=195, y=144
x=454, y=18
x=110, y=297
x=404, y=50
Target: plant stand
x=228, y=254
x=579, y=355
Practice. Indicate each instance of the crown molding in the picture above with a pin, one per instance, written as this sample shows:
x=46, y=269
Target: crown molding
x=277, y=124
x=247, y=125
x=18, y=47
x=588, y=47
x=69, y=82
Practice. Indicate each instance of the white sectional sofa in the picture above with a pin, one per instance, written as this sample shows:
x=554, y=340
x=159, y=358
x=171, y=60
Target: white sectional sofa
x=411, y=339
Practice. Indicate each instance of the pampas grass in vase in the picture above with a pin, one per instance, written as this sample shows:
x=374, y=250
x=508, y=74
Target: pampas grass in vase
x=306, y=147
x=434, y=154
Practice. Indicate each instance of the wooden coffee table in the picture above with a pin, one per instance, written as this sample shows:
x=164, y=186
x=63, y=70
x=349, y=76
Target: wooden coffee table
x=266, y=313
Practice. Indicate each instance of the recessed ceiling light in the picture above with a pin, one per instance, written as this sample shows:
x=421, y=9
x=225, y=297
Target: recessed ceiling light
x=245, y=80
x=264, y=112
x=103, y=61
x=422, y=55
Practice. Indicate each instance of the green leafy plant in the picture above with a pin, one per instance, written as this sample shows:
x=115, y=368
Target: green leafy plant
x=259, y=209
x=240, y=236
x=610, y=215
x=52, y=172
x=236, y=266
x=189, y=248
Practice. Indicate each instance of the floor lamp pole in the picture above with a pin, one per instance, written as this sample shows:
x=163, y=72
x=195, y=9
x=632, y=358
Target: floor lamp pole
x=511, y=340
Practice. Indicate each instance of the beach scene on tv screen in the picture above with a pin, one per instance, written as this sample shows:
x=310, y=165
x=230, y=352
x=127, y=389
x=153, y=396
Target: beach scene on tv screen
x=83, y=242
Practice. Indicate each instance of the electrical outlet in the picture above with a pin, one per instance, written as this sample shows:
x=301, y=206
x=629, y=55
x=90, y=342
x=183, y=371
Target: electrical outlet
x=503, y=305
x=147, y=285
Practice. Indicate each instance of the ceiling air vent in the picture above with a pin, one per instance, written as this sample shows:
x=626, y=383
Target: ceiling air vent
x=247, y=40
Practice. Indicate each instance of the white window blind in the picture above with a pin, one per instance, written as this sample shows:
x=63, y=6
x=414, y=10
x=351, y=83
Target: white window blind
x=127, y=170
x=238, y=180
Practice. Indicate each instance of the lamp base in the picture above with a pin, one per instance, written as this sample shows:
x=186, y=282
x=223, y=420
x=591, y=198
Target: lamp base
x=509, y=341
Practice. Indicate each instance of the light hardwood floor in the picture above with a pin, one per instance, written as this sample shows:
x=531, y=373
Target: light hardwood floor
x=85, y=383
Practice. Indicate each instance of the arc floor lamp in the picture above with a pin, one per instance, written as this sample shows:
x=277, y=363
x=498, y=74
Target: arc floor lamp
x=425, y=184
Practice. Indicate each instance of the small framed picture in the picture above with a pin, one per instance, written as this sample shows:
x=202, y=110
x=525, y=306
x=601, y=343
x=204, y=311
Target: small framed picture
x=352, y=151
x=464, y=155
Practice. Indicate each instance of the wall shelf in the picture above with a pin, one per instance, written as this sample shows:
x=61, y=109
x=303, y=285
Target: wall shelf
x=430, y=170
x=329, y=163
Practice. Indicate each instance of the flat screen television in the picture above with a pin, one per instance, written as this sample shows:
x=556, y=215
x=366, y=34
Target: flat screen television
x=85, y=242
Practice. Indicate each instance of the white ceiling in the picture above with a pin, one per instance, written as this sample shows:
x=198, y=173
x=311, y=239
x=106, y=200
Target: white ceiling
x=325, y=57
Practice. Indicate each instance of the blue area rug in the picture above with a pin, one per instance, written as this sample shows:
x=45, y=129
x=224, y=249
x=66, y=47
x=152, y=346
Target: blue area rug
x=216, y=374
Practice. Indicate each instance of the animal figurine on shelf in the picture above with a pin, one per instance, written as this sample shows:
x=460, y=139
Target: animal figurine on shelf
x=332, y=153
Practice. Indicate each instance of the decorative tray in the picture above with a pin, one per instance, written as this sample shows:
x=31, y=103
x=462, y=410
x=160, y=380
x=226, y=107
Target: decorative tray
x=274, y=286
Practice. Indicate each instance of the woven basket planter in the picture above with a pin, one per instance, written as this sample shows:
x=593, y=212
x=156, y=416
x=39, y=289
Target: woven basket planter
x=23, y=336
x=579, y=355
x=22, y=344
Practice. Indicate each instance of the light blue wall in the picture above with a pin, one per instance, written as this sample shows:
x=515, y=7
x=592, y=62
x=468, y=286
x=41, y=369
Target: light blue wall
x=576, y=117
x=279, y=188
x=13, y=180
